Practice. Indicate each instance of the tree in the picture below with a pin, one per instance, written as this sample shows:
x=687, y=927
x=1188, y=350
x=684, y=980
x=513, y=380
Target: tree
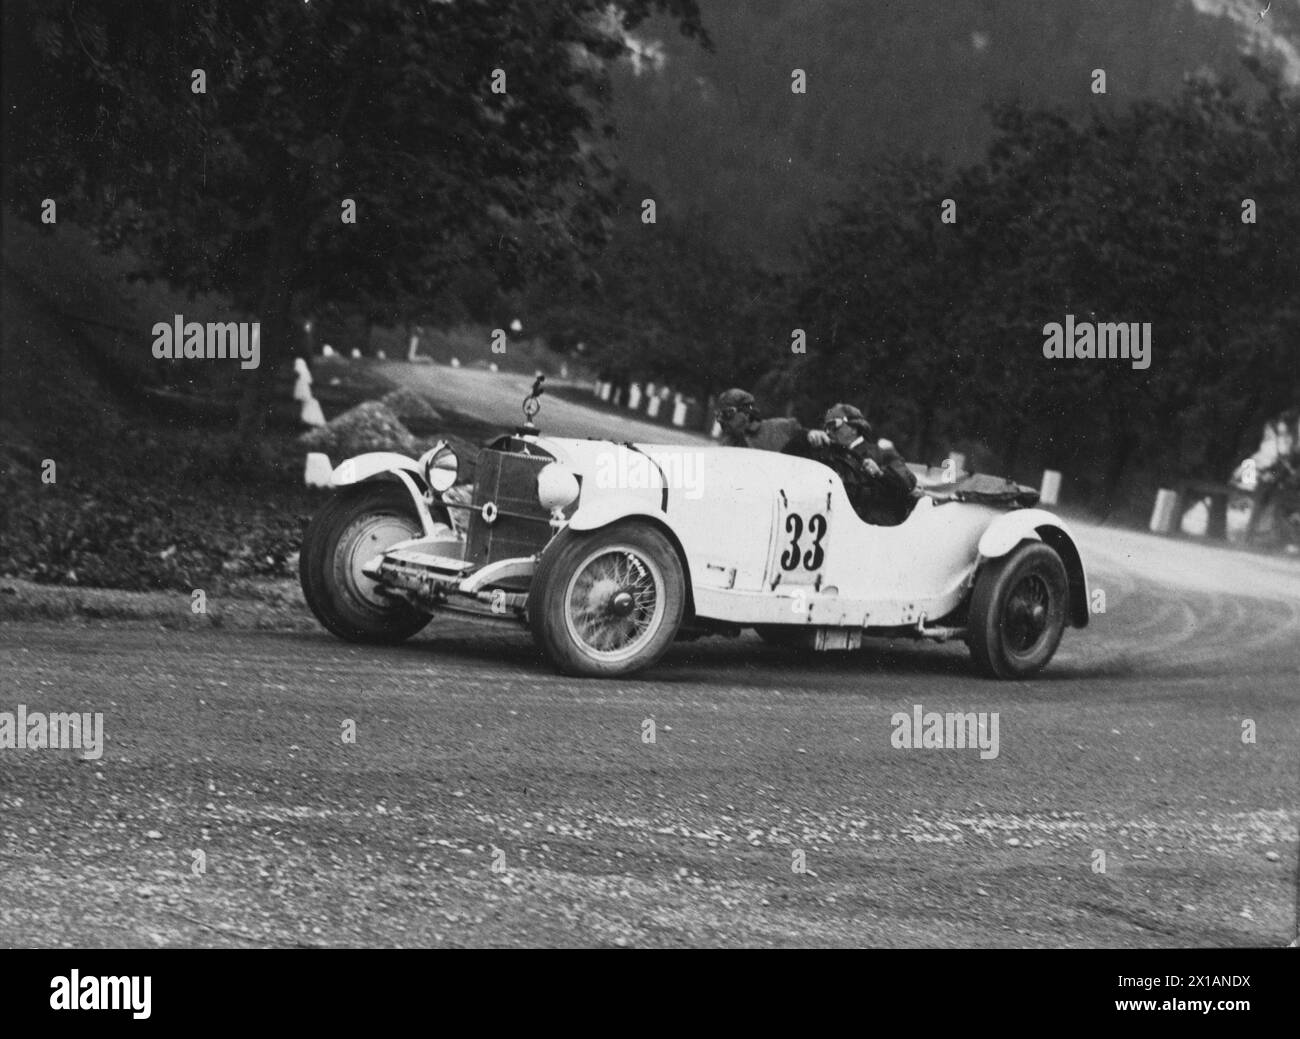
x=665, y=302
x=884, y=294
x=1129, y=216
x=238, y=177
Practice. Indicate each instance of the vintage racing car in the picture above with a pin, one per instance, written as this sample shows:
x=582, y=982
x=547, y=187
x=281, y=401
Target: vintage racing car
x=610, y=551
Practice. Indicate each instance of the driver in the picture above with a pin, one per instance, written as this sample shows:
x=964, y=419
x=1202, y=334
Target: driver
x=741, y=427
x=878, y=482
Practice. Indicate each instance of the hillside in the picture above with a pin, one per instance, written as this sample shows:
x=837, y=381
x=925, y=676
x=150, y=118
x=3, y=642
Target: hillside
x=722, y=133
x=142, y=493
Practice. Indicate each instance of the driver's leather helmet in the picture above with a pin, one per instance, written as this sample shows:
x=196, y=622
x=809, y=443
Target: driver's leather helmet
x=735, y=400
x=848, y=414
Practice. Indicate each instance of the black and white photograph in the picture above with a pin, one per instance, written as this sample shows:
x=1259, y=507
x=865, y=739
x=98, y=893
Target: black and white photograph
x=651, y=474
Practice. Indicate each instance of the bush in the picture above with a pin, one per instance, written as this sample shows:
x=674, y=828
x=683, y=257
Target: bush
x=139, y=537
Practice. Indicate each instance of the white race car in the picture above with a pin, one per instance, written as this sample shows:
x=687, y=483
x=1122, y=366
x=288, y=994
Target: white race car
x=611, y=551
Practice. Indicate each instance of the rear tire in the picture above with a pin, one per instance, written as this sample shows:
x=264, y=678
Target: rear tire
x=607, y=602
x=357, y=524
x=1018, y=611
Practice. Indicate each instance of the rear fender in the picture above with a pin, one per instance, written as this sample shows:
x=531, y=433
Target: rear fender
x=1011, y=528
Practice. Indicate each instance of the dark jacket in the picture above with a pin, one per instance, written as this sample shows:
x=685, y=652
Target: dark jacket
x=770, y=434
x=884, y=500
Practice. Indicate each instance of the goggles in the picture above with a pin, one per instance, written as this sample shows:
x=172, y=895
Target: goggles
x=728, y=413
x=832, y=424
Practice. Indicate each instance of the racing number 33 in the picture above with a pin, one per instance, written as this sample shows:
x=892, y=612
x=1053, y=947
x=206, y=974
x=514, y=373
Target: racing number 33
x=794, y=554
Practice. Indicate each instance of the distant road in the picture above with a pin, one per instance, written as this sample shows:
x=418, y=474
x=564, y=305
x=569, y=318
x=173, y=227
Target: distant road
x=497, y=397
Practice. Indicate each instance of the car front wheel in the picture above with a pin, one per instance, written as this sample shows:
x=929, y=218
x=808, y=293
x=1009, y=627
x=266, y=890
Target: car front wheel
x=356, y=525
x=607, y=602
x=1017, y=611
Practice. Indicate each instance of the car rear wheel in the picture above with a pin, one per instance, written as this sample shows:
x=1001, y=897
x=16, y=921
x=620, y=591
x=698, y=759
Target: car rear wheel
x=1018, y=611
x=355, y=526
x=608, y=602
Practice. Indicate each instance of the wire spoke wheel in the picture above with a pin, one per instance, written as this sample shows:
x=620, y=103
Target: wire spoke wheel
x=607, y=602
x=614, y=602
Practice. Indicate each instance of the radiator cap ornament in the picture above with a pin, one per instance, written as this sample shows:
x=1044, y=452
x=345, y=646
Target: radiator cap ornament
x=532, y=405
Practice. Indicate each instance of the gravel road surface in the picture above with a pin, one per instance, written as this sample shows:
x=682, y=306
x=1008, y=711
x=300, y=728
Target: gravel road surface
x=487, y=801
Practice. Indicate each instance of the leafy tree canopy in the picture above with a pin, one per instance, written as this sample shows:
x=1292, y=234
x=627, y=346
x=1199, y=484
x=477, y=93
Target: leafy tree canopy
x=240, y=186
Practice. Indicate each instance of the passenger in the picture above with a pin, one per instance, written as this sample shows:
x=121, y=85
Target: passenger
x=878, y=482
x=741, y=426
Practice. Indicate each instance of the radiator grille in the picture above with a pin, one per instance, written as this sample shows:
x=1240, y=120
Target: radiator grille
x=508, y=480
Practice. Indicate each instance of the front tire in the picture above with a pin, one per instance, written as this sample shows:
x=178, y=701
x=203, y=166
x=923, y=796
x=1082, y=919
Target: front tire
x=608, y=602
x=357, y=524
x=1017, y=611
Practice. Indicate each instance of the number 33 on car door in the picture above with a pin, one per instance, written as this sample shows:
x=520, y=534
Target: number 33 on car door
x=811, y=534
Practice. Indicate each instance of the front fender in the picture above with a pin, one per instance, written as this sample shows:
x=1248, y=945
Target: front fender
x=607, y=509
x=1011, y=528
x=389, y=465
x=363, y=467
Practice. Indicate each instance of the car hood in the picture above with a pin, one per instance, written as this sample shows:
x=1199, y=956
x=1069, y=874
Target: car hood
x=687, y=470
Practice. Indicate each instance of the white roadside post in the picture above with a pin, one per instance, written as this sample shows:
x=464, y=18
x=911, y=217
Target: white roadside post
x=652, y=408
x=679, y=411
x=1162, y=516
x=311, y=414
x=1050, y=492
x=302, y=386
x=319, y=470
x=634, y=397
x=605, y=389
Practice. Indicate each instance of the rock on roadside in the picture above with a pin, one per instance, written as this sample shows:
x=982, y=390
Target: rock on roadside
x=413, y=410
x=371, y=426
